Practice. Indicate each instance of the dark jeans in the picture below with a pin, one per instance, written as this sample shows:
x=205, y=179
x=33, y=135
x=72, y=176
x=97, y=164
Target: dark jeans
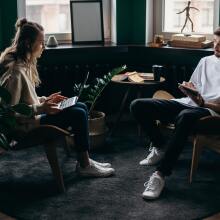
x=147, y=111
x=75, y=117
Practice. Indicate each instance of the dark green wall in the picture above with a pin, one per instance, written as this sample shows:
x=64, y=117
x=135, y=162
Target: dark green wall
x=123, y=21
x=8, y=18
x=0, y=28
x=130, y=24
x=139, y=21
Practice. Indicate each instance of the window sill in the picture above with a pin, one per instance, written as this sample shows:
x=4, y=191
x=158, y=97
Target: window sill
x=72, y=46
x=113, y=45
x=184, y=48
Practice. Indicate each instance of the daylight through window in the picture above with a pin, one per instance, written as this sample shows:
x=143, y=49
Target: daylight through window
x=203, y=18
x=54, y=15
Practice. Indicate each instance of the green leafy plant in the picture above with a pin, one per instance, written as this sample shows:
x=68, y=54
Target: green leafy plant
x=92, y=92
x=7, y=116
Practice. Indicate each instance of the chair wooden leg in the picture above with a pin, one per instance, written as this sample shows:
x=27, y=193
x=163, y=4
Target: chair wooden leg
x=197, y=149
x=51, y=153
x=2, y=151
x=67, y=146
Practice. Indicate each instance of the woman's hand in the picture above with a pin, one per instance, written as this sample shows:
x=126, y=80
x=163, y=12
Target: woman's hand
x=49, y=107
x=56, y=97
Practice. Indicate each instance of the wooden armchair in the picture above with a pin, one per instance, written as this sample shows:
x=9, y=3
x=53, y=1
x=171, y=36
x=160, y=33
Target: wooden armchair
x=205, y=134
x=48, y=136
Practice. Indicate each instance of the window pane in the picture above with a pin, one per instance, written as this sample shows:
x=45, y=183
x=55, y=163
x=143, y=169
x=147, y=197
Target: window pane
x=203, y=20
x=54, y=15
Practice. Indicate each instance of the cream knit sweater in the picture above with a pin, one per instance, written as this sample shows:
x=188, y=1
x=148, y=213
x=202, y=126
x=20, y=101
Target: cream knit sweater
x=22, y=90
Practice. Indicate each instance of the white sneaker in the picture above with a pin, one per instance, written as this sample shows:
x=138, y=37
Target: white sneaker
x=154, y=186
x=94, y=170
x=153, y=157
x=105, y=165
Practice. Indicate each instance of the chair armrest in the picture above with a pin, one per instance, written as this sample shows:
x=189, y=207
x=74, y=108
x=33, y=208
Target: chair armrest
x=208, y=125
x=40, y=135
x=54, y=129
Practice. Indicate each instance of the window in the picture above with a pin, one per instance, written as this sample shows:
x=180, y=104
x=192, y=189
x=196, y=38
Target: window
x=54, y=16
x=204, y=15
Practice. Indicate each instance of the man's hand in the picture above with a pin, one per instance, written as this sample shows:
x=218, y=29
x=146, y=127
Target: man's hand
x=56, y=97
x=197, y=98
x=188, y=84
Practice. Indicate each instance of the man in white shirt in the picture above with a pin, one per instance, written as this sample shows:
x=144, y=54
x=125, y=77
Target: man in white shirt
x=184, y=112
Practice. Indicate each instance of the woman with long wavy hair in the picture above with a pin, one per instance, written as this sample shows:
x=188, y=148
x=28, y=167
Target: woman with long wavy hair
x=20, y=77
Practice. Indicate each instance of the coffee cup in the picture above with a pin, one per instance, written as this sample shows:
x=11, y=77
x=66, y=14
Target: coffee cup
x=157, y=72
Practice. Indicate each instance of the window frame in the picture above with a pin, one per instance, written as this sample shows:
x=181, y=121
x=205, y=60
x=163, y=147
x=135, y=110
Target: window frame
x=158, y=24
x=61, y=37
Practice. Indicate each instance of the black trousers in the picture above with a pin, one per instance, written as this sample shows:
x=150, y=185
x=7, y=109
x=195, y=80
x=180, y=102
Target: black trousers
x=147, y=111
x=75, y=117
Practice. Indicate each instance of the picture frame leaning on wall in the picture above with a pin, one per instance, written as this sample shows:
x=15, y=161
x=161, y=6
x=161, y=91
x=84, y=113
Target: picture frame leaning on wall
x=87, y=22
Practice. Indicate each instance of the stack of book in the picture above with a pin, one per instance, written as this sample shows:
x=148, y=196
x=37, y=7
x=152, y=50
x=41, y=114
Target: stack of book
x=134, y=77
x=190, y=41
x=139, y=77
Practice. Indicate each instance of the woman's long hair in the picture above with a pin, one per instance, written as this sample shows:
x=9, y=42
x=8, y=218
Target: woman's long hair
x=25, y=37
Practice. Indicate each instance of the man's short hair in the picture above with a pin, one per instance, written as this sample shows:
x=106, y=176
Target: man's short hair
x=217, y=32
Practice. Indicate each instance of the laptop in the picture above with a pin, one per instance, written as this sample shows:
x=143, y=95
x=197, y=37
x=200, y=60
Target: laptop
x=73, y=100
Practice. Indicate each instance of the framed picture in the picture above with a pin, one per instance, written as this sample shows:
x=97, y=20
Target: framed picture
x=87, y=22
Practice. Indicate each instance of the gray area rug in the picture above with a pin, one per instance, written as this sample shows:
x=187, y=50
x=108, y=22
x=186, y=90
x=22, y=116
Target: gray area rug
x=28, y=191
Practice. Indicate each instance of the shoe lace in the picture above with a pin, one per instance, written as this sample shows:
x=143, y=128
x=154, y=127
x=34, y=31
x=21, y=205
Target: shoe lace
x=152, y=151
x=152, y=183
x=151, y=147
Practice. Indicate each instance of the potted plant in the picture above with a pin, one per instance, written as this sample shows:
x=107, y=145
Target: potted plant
x=7, y=116
x=90, y=95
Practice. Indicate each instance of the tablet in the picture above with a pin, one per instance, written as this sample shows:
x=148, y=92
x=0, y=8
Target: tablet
x=189, y=90
x=66, y=103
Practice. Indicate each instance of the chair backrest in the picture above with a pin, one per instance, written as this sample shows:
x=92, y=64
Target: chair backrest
x=161, y=94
